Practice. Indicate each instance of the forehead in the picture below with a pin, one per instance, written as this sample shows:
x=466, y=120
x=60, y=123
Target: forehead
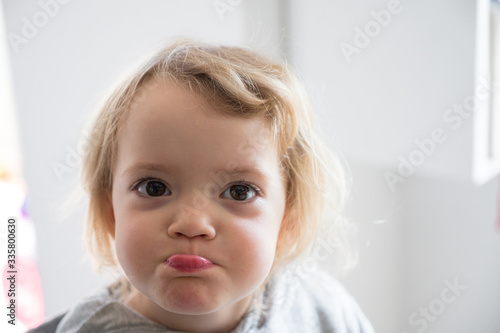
x=169, y=124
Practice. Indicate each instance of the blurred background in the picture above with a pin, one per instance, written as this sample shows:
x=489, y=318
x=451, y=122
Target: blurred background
x=406, y=90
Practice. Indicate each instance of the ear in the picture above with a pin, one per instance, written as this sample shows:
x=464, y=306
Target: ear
x=109, y=213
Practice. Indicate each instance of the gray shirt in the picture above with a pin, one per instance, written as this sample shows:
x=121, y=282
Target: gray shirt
x=293, y=303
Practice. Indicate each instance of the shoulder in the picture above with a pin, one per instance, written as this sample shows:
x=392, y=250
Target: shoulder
x=106, y=317
x=49, y=326
x=318, y=299
x=99, y=313
x=335, y=306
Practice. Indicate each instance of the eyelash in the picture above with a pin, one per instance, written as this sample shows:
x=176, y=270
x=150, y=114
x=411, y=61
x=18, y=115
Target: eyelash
x=242, y=181
x=142, y=180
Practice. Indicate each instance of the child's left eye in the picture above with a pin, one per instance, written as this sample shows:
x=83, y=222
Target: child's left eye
x=239, y=192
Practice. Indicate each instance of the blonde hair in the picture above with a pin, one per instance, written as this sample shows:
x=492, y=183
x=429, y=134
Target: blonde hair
x=243, y=84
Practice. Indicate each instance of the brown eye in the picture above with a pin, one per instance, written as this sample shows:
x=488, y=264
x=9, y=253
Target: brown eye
x=153, y=188
x=239, y=192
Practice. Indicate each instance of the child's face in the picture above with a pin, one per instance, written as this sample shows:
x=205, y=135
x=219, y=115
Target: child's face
x=182, y=184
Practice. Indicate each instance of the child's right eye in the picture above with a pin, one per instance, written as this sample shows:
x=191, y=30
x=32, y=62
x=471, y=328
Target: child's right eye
x=153, y=188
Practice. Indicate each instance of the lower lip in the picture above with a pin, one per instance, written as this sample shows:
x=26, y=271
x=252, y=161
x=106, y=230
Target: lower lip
x=188, y=263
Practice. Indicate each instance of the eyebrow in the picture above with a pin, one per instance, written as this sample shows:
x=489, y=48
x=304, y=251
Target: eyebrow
x=236, y=170
x=150, y=167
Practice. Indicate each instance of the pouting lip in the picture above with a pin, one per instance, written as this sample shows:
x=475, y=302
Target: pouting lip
x=188, y=262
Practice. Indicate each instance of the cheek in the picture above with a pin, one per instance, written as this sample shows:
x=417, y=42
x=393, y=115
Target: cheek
x=130, y=236
x=253, y=249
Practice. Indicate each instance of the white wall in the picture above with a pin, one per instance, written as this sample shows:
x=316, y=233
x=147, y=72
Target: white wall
x=435, y=225
x=393, y=92
x=434, y=230
x=400, y=84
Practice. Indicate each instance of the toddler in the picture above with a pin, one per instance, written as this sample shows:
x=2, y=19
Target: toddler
x=206, y=181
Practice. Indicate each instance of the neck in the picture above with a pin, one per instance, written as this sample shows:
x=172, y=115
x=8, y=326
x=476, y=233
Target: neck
x=221, y=320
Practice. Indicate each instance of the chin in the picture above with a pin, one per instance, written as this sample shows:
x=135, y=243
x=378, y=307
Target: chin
x=191, y=302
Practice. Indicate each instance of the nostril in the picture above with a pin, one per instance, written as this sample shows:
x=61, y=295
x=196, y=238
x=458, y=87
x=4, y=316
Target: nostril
x=180, y=234
x=193, y=228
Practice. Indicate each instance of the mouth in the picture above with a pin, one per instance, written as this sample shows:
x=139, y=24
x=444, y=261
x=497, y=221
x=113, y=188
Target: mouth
x=188, y=263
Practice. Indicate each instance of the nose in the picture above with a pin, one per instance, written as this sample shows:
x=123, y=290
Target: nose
x=192, y=222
